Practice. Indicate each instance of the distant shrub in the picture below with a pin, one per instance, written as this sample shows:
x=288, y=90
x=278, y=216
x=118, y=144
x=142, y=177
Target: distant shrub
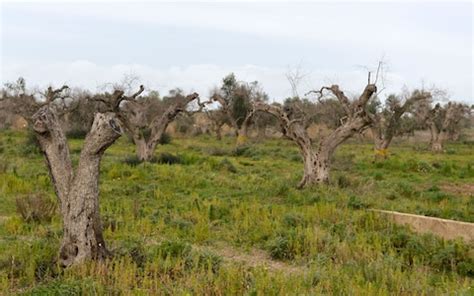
x=293, y=220
x=432, y=251
x=344, y=162
x=109, y=222
x=390, y=195
x=451, y=151
x=172, y=249
x=433, y=188
x=406, y=189
x=133, y=248
x=251, y=152
x=165, y=138
x=356, y=203
x=61, y=287
x=167, y=158
x=295, y=157
x=4, y=164
x=31, y=144
x=466, y=172
x=280, y=249
x=343, y=181
x=76, y=133
x=282, y=189
x=218, y=213
x=417, y=166
x=181, y=224
x=424, y=167
x=225, y=165
x=241, y=151
x=436, y=196
x=132, y=160
x=378, y=176
x=214, y=151
x=35, y=208
x=203, y=259
x=446, y=169
x=468, y=142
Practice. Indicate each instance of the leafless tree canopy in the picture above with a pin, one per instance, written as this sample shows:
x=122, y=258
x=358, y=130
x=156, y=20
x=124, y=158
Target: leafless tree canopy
x=146, y=119
x=294, y=122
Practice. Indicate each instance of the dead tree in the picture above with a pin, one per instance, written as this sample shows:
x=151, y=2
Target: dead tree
x=387, y=121
x=293, y=124
x=147, y=128
x=444, y=120
x=77, y=189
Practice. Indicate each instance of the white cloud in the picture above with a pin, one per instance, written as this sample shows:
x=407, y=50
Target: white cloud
x=347, y=33
x=201, y=78
x=374, y=27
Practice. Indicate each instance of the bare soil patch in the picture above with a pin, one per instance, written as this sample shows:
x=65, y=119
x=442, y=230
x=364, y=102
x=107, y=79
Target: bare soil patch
x=254, y=258
x=459, y=189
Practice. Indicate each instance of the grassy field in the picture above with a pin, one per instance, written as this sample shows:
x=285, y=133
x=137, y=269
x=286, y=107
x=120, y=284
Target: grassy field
x=209, y=219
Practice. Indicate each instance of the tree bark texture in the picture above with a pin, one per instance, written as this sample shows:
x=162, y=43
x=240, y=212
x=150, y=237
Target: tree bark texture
x=78, y=192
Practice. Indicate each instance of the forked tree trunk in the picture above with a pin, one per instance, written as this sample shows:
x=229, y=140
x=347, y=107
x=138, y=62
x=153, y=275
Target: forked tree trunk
x=78, y=193
x=145, y=148
x=140, y=147
x=386, y=123
x=317, y=164
x=242, y=131
x=437, y=139
x=146, y=152
x=437, y=143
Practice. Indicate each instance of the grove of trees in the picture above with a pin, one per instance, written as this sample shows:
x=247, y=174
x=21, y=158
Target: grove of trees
x=144, y=117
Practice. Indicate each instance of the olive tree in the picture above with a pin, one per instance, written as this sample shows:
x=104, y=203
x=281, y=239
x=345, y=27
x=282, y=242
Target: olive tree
x=388, y=118
x=293, y=122
x=235, y=99
x=146, y=118
x=443, y=121
x=77, y=188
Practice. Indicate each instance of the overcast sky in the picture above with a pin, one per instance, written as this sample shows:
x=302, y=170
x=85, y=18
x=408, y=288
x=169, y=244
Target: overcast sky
x=193, y=45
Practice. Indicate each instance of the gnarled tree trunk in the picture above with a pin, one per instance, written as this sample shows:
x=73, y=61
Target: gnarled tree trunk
x=385, y=124
x=78, y=193
x=316, y=169
x=437, y=139
x=242, y=130
x=145, y=148
x=442, y=120
x=317, y=163
x=141, y=147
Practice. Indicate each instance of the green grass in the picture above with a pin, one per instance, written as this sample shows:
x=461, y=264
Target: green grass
x=166, y=223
